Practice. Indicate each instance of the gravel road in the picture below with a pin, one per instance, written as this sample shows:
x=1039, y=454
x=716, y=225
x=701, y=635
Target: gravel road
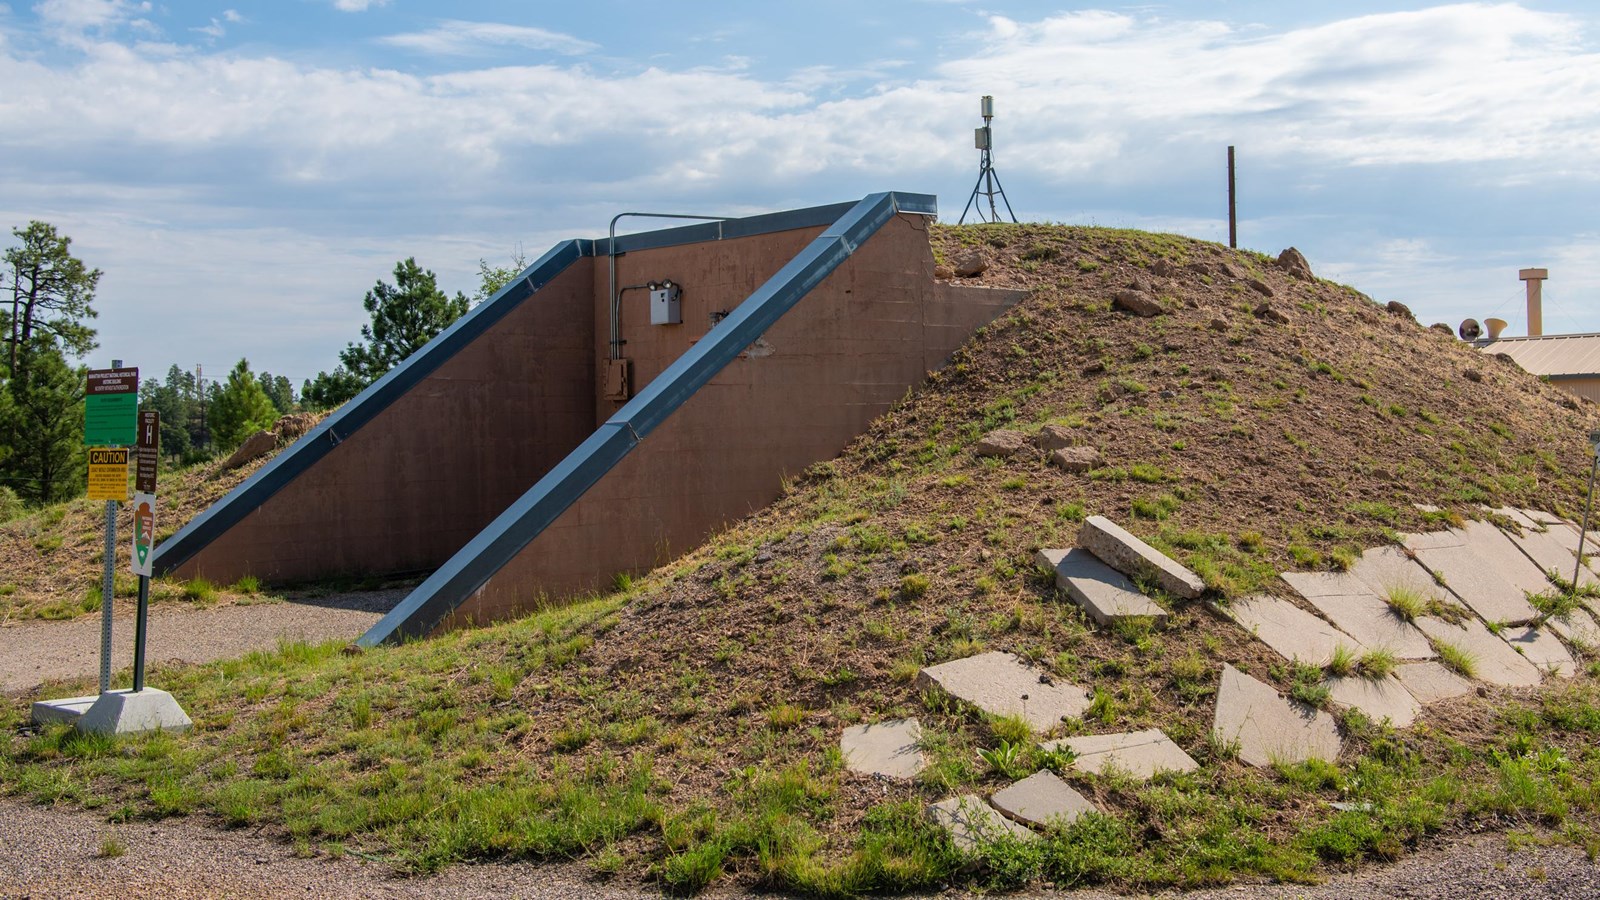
x=34, y=652
x=48, y=852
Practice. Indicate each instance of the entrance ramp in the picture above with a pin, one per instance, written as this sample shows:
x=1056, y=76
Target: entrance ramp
x=512, y=461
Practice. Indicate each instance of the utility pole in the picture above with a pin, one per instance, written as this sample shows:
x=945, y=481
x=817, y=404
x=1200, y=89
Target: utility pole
x=1233, y=207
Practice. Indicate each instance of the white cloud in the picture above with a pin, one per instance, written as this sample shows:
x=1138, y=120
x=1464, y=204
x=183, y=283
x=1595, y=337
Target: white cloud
x=263, y=158
x=232, y=16
x=457, y=38
x=86, y=14
x=357, y=5
x=214, y=30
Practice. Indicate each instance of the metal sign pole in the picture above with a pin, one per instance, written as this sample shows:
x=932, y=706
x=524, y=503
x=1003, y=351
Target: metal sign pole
x=1583, y=529
x=139, y=632
x=106, y=587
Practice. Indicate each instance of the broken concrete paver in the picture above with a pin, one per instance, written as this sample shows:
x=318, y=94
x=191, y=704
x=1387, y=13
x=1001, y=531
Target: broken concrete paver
x=1493, y=659
x=1373, y=624
x=1577, y=627
x=1042, y=800
x=1489, y=573
x=1431, y=682
x=1003, y=685
x=1140, y=754
x=1290, y=630
x=972, y=822
x=1384, y=569
x=1541, y=647
x=1434, y=540
x=1133, y=557
x=1269, y=728
x=886, y=748
x=1101, y=591
x=1377, y=698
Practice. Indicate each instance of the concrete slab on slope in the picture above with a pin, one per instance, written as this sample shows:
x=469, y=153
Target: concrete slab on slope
x=1269, y=728
x=884, y=748
x=1003, y=685
x=1377, y=698
x=1042, y=800
x=1431, y=682
x=1132, y=556
x=972, y=822
x=1373, y=624
x=1102, y=592
x=1140, y=754
x=1493, y=659
x=1288, y=629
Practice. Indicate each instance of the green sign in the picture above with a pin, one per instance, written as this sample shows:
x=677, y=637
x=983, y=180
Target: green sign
x=111, y=407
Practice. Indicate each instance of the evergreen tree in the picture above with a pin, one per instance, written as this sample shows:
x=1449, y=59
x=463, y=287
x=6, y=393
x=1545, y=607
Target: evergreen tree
x=279, y=391
x=330, y=389
x=50, y=295
x=492, y=278
x=44, y=419
x=241, y=408
x=178, y=402
x=405, y=316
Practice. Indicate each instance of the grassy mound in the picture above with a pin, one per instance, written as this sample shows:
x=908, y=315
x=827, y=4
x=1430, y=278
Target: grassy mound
x=686, y=727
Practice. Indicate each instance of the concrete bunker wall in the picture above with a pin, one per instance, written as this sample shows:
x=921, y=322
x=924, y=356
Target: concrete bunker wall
x=407, y=490
x=813, y=382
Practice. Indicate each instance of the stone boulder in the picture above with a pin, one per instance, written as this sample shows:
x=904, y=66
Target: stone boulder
x=943, y=273
x=971, y=263
x=294, y=426
x=1137, y=302
x=1271, y=313
x=1261, y=287
x=1396, y=308
x=1002, y=442
x=254, y=447
x=1077, y=459
x=1053, y=437
x=1294, y=262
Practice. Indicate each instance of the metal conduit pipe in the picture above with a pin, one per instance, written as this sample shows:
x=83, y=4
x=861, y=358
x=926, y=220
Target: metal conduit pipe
x=611, y=267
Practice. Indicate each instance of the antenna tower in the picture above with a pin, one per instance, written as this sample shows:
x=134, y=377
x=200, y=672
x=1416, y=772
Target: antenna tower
x=988, y=179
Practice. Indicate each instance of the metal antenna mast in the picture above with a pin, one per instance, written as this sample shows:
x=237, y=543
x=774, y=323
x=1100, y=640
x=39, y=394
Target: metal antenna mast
x=988, y=179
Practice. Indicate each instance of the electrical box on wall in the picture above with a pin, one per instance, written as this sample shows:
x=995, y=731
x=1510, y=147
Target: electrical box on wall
x=665, y=308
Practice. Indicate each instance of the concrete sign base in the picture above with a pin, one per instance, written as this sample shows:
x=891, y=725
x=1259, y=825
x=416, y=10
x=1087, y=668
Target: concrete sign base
x=116, y=712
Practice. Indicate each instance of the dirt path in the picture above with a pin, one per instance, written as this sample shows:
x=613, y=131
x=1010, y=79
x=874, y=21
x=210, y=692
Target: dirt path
x=57, y=853
x=34, y=652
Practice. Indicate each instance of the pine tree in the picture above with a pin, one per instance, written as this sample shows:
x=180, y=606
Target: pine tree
x=50, y=294
x=241, y=408
x=44, y=418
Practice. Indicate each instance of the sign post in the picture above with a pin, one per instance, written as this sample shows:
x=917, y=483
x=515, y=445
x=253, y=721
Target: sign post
x=111, y=416
x=144, y=530
x=110, y=412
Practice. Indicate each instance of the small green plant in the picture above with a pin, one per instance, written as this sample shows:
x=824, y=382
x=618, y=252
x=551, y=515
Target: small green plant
x=1405, y=602
x=247, y=584
x=1456, y=659
x=1305, y=556
x=1376, y=664
x=1005, y=759
x=111, y=848
x=622, y=582
x=1308, y=686
x=199, y=590
x=1343, y=662
x=785, y=716
x=914, y=586
x=1014, y=729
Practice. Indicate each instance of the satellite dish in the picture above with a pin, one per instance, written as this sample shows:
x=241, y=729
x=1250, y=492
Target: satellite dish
x=1470, y=330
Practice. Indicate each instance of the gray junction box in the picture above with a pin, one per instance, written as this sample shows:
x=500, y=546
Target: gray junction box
x=665, y=308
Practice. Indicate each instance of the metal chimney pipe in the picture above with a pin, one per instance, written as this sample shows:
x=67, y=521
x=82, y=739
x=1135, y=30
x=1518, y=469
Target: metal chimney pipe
x=1535, y=279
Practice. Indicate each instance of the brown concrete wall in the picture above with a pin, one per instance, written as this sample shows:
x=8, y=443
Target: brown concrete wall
x=409, y=489
x=844, y=355
x=716, y=275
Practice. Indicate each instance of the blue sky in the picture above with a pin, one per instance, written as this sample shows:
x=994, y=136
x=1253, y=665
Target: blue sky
x=244, y=171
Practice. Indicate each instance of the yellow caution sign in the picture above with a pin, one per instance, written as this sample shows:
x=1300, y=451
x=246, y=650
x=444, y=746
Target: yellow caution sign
x=108, y=474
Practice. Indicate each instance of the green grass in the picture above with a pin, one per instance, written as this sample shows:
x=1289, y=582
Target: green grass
x=1405, y=602
x=1456, y=659
x=1343, y=662
x=199, y=590
x=1376, y=664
